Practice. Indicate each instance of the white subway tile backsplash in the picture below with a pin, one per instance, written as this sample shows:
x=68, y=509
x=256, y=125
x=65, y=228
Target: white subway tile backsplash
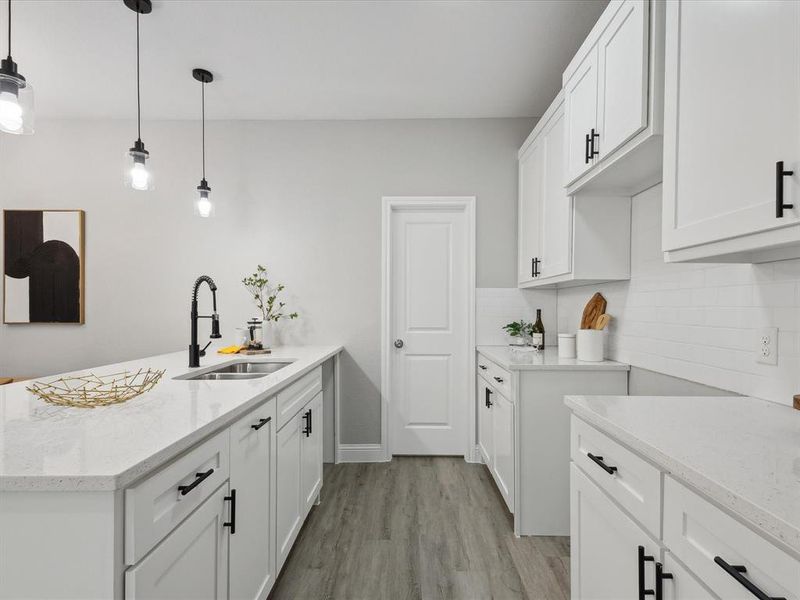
x=494, y=307
x=698, y=321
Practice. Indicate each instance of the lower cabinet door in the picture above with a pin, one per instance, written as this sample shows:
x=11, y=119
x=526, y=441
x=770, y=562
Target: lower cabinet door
x=252, y=545
x=503, y=453
x=290, y=501
x=191, y=563
x=681, y=585
x=311, y=452
x=485, y=427
x=606, y=562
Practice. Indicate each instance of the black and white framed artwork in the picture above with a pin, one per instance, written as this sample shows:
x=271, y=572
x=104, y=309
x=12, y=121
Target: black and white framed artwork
x=43, y=266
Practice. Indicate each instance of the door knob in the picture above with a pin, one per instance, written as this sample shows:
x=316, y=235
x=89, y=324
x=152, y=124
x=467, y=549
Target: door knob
x=398, y=343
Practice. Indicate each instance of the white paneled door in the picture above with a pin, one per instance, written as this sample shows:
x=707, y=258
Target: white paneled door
x=430, y=287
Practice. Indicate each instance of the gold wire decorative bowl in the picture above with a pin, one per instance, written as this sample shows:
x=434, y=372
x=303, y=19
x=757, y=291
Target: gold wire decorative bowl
x=90, y=390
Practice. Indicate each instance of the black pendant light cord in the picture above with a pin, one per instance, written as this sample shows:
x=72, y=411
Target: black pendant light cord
x=9, y=28
x=138, y=93
x=203, y=104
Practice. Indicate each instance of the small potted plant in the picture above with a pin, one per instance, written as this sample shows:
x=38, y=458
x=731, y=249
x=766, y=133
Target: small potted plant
x=265, y=297
x=518, y=332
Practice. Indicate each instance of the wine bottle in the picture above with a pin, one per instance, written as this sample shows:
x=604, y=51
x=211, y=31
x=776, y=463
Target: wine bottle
x=537, y=331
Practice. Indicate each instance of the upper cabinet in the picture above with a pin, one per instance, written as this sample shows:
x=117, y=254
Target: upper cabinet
x=613, y=91
x=565, y=240
x=732, y=131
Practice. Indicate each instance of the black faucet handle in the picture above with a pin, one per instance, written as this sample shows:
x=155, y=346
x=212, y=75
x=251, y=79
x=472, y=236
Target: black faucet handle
x=203, y=351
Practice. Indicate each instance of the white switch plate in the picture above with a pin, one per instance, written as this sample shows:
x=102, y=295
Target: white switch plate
x=767, y=346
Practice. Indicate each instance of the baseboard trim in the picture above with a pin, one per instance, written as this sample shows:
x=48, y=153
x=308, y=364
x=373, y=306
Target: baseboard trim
x=360, y=453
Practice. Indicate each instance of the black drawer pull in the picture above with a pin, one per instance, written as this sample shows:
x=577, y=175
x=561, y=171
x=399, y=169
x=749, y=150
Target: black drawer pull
x=660, y=577
x=232, y=522
x=307, y=418
x=780, y=206
x=482, y=367
x=498, y=379
x=261, y=423
x=641, y=559
x=201, y=477
x=586, y=156
x=737, y=572
x=487, y=401
x=598, y=460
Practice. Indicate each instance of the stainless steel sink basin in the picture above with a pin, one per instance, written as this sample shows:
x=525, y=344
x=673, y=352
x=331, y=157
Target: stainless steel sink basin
x=238, y=371
x=262, y=368
x=226, y=376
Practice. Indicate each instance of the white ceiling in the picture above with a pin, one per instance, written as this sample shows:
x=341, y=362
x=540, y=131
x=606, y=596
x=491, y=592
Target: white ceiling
x=299, y=60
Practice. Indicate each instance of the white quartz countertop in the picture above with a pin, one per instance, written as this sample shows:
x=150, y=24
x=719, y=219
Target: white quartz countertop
x=743, y=453
x=513, y=360
x=47, y=448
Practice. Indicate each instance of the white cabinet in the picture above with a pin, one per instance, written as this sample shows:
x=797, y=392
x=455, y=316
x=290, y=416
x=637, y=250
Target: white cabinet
x=580, y=93
x=192, y=562
x=503, y=454
x=564, y=240
x=485, y=426
x=732, y=92
x=311, y=453
x=681, y=584
x=605, y=558
x=613, y=95
x=252, y=541
x=290, y=501
x=703, y=553
x=496, y=432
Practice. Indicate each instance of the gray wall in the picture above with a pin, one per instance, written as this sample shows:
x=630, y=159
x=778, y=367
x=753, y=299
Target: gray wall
x=301, y=197
x=642, y=382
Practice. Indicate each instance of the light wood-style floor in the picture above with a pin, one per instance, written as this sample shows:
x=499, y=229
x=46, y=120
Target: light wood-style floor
x=418, y=527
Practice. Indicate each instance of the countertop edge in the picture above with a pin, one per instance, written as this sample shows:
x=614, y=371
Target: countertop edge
x=774, y=527
x=493, y=353
x=113, y=483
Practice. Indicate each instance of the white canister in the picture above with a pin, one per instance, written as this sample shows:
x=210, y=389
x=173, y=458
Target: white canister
x=590, y=345
x=566, y=345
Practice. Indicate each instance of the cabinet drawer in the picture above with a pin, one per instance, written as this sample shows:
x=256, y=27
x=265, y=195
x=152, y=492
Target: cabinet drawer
x=158, y=504
x=297, y=395
x=497, y=376
x=705, y=537
x=630, y=480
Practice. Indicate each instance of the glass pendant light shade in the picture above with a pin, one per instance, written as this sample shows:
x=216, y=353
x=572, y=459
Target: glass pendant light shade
x=138, y=168
x=203, y=206
x=16, y=95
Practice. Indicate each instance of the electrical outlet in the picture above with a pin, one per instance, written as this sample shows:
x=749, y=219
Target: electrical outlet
x=767, y=346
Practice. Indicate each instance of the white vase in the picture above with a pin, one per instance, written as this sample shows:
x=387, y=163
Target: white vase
x=270, y=334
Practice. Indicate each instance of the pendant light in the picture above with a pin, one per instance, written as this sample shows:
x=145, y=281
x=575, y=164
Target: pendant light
x=203, y=207
x=16, y=94
x=137, y=172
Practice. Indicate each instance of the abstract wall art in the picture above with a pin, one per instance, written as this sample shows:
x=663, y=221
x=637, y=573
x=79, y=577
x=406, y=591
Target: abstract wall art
x=43, y=266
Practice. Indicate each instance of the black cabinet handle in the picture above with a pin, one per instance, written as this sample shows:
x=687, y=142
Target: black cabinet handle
x=737, y=572
x=261, y=423
x=482, y=367
x=232, y=522
x=586, y=156
x=779, y=175
x=310, y=421
x=488, y=402
x=660, y=577
x=535, y=267
x=594, y=152
x=498, y=379
x=643, y=558
x=307, y=418
x=201, y=477
x=598, y=460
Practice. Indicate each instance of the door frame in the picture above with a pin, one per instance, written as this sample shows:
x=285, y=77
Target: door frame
x=390, y=205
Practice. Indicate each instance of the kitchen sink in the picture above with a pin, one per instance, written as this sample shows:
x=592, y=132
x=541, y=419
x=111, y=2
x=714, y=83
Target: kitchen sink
x=260, y=368
x=238, y=371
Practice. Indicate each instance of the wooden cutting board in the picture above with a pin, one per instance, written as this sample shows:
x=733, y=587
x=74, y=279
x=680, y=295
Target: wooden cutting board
x=594, y=308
